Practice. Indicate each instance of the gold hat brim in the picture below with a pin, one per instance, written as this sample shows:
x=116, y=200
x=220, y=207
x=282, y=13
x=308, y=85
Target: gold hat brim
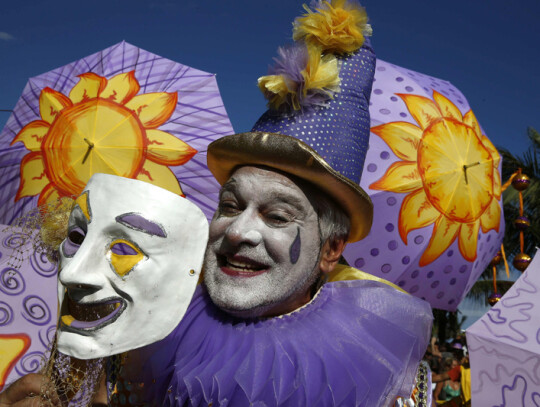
x=295, y=157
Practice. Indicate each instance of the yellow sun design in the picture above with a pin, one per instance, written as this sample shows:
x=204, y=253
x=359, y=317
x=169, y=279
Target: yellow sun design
x=449, y=170
x=12, y=348
x=102, y=127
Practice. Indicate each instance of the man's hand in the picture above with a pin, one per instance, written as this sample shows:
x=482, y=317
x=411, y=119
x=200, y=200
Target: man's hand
x=26, y=391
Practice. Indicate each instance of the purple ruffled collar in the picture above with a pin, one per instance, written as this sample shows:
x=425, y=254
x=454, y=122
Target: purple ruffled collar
x=357, y=343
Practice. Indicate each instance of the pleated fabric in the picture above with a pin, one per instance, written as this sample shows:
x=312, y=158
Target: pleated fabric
x=357, y=343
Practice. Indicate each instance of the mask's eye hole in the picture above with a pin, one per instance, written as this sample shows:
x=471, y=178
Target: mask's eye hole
x=76, y=236
x=74, y=240
x=124, y=256
x=123, y=249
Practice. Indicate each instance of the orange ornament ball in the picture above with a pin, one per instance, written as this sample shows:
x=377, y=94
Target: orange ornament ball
x=522, y=261
x=521, y=182
x=494, y=298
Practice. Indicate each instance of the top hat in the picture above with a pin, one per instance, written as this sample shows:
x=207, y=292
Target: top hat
x=317, y=125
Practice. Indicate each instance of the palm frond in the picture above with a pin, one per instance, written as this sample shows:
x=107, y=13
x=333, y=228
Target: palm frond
x=534, y=136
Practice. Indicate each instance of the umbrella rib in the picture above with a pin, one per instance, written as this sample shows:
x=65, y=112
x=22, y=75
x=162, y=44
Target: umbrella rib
x=456, y=159
x=200, y=109
x=111, y=129
x=177, y=76
x=149, y=73
x=170, y=81
x=204, y=78
x=113, y=171
x=475, y=177
x=164, y=80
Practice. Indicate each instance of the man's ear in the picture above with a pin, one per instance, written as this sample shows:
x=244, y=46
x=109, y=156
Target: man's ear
x=330, y=254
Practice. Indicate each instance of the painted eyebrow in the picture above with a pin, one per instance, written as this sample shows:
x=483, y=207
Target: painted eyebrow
x=140, y=223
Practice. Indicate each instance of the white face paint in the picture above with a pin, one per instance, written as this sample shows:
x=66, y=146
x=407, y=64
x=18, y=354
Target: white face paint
x=264, y=247
x=128, y=268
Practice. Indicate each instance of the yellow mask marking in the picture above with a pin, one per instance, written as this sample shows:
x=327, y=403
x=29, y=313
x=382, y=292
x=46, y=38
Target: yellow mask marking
x=124, y=263
x=82, y=201
x=67, y=319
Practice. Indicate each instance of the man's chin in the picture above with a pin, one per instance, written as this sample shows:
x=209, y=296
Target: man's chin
x=246, y=306
x=235, y=301
x=246, y=312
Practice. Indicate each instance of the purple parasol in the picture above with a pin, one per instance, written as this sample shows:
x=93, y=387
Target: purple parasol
x=505, y=349
x=434, y=180
x=123, y=111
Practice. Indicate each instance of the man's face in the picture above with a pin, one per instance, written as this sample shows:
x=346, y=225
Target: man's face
x=263, y=251
x=128, y=267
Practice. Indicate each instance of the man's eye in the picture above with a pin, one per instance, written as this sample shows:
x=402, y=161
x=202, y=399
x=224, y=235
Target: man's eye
x=228, y=208
x=278, y=218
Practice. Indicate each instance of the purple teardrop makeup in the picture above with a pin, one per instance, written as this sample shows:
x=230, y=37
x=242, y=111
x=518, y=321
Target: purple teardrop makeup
x=294, y=250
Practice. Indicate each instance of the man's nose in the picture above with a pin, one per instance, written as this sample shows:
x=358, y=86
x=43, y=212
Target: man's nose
x=245, y=229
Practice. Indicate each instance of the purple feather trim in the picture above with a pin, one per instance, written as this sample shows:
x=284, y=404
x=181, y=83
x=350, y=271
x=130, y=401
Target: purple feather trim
x=290, y=63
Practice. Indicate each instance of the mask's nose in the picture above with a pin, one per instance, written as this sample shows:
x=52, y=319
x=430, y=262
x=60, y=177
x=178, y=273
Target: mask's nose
x=78, y=291
x=84, y=273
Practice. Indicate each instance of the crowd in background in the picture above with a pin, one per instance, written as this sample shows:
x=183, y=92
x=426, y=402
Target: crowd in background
x=449, y=363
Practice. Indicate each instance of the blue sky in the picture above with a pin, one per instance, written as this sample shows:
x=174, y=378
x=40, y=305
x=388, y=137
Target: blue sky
x=489, y=50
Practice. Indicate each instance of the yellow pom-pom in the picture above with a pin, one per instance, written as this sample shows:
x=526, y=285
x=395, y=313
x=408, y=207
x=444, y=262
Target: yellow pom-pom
x=321, y=73
x=302, y=79
x=277, y=92
x=337, y=27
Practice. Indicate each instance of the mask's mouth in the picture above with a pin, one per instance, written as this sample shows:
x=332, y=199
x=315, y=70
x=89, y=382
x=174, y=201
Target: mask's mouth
x=90, y=316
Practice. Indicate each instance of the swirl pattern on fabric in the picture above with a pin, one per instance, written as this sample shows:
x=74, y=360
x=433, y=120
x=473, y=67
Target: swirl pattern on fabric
x=11, y=281
x=46, y=336
x=14, y=241
x=28, y=298
x=505, y=346
x=42, y=266
x=30, y=363
x=6, y=314
x=36, y=310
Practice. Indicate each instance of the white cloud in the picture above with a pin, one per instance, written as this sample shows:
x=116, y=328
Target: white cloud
x=5, y=36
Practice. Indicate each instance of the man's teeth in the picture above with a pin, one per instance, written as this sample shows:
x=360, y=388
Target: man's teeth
x=241, y=266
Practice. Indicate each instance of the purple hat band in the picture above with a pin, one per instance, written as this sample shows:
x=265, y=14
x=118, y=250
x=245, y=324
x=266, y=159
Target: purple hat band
x=338, y=132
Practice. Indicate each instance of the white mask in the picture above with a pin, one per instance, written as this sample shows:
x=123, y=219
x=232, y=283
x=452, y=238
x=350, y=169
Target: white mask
x=129, y=266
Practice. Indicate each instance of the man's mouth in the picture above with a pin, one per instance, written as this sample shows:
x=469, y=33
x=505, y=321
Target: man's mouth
x=240, y=266
x=90, y=316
